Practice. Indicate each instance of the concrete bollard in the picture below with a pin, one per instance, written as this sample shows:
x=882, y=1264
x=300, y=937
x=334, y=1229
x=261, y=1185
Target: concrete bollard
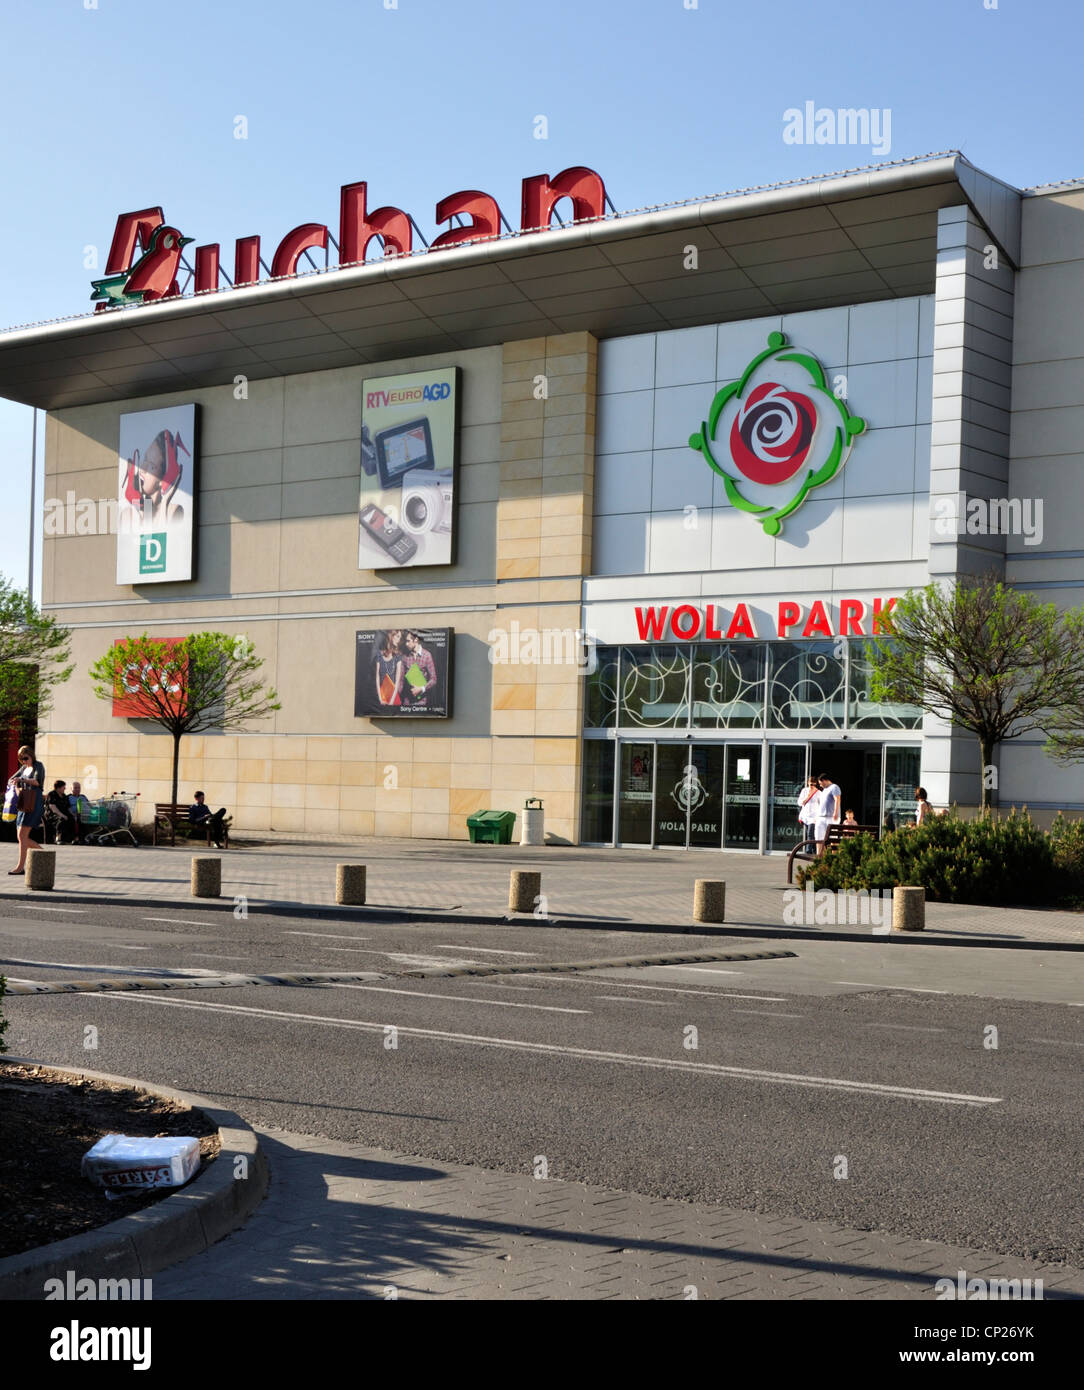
x=908, y=909
x=206, y=876
x=350, y=884
x=709, y=900
x=524, y=890
x=40, y=869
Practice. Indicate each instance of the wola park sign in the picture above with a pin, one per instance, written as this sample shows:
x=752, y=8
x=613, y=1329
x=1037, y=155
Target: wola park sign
x=146, y=254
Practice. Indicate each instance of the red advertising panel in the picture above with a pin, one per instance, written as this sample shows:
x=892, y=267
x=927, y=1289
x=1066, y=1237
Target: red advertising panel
x=133, y=697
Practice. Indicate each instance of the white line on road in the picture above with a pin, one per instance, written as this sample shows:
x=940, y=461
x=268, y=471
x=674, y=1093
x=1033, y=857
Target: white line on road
x=37, y=907
x=703, y=969
x=907, y=989
x=768, y=1013
x=627, y=999
x=183, y=921
x=485, y=951
x=907, y=1027
x=331, y=936
x=117, y=947
x=465, y=999
x=670, y=989
x=827, y=1083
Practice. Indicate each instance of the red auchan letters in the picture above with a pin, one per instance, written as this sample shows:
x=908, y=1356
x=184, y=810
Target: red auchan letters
x=358, y=226
x=687, y=623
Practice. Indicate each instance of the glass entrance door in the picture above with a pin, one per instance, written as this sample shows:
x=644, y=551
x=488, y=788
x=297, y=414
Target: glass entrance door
x=636, y=793
x=741, y=813
x=790, y=762
x=672, y=794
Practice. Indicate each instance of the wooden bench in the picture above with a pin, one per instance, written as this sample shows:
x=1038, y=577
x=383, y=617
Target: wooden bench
x=169, y=814
x=807, y=849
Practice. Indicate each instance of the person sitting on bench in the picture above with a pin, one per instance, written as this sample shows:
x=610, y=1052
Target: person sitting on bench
x=199, y=813
x=58, y=816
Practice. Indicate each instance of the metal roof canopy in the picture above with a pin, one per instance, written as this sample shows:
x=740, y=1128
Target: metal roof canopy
x=845, y=239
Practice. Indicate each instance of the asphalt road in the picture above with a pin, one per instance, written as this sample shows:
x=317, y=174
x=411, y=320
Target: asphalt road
x=875, y=1052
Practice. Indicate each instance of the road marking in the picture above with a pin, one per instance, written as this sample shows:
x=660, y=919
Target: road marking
x=184, y=921
x=37, y=907
x=907, y=1027
x=767, y=1013
x=117, y=947
x=675, y=989
x=331, y=936
x=703, y=970
x=627, y=999
x=466, y=999
x=1058, y=1042
x=907, y=989
x=352, y=950
x=826, y=1083
x=485, y=951
x=209, y=955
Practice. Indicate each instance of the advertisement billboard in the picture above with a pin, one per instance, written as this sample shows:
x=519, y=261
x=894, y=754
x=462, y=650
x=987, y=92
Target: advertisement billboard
x=406, y=514
x=156, y=492
x=404, y=672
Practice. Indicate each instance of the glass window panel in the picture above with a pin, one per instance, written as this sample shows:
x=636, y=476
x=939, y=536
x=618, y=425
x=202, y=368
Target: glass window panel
x=637, y=781
x=806, y=686
x=655, y=687
x=788, y=779
x=598, y=791
x=903, y=772
x=867, y=713
x=742, y=796
x=728, y=685
x=600, y=691
x=676, y=788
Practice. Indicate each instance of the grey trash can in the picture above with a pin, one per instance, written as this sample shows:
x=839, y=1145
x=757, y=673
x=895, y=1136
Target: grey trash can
x=533, y=831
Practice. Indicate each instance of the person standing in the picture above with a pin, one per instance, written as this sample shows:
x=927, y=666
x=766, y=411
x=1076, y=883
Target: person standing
x=809, y=801
x=31, y=780
x=828, y=811
x=922, y=807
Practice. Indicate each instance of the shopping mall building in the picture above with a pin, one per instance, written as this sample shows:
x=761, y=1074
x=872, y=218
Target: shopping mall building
x=597, y=512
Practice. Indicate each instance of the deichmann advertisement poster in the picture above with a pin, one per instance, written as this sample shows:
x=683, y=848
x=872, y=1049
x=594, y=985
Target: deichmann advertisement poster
x=408, y=454
x=404, y=671
x=156, y=492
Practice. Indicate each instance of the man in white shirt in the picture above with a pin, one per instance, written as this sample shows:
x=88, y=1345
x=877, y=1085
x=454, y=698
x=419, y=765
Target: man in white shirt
x=828, y=810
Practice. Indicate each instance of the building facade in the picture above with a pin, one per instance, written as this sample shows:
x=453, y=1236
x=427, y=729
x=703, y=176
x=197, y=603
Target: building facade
x=697, y=453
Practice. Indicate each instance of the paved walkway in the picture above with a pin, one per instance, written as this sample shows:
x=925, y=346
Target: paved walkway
x=342, y=1221
x=591, y=885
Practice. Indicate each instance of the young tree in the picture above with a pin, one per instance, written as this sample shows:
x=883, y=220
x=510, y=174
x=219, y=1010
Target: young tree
x=992, y=659
x=186, y=685
x=34, y=656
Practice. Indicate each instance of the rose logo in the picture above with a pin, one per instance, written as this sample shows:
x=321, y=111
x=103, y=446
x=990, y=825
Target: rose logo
x=786, y=433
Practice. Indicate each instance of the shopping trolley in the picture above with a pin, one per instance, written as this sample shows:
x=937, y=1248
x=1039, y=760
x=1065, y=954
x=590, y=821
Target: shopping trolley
x=111, y=819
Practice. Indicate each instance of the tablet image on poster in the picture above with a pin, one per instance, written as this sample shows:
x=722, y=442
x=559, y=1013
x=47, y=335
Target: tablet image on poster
x=404, y=672
x=156, y=494
x=406, y=513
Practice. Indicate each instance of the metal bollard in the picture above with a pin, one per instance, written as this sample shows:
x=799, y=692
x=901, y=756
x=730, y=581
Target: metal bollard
x=40, y=869
x=350, y=884
x=709, y=900
x=524, y=890
x=206, y=876
x=908, y=909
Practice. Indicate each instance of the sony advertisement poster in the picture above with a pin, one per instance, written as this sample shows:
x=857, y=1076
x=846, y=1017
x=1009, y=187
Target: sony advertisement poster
x=408, y=455
x=404, y=671
x=156, y=491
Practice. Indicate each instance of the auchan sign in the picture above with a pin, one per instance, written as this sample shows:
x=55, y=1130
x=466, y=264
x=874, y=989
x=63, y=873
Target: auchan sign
x=685, y=622
x=152, y=273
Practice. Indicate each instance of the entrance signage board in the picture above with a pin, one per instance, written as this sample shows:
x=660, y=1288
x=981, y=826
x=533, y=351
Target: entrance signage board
x=145, y=254
x=819, y=618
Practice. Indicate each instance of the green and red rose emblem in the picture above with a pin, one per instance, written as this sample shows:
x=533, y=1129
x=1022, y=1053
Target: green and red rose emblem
x=776, y=433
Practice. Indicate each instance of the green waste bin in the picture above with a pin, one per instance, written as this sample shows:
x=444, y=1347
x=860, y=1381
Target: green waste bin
x=491, y=827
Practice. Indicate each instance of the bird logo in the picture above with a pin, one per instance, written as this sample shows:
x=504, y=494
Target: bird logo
x=153, y=276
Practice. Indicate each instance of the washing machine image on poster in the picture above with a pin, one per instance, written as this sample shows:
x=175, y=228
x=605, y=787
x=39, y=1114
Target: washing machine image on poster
x=406, y=514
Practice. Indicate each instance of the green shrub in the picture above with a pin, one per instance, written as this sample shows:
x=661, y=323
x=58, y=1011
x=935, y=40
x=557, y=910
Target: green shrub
x=998, y=861
x=1067, y=842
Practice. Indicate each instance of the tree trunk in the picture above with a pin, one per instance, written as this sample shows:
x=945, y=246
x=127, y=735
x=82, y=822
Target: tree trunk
x=987, y=755
x=176, y=763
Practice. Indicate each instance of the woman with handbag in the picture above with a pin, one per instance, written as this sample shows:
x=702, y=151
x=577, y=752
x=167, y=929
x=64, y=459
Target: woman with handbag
x=31, y=804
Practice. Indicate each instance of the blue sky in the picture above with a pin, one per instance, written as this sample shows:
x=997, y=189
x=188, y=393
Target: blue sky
x=129, y=104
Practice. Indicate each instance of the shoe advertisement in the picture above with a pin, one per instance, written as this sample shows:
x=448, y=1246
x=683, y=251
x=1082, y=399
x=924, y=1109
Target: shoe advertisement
x=408, y=443
x=156, y=491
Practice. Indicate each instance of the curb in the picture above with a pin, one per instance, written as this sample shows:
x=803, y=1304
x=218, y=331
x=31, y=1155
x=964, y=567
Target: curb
x=275, y=907
x=213, y=1204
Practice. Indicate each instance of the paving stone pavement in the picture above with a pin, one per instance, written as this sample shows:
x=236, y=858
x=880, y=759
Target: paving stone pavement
x=651, y=886
x=346, y=1222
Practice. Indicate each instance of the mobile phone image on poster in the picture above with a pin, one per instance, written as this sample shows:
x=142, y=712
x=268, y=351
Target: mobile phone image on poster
x=156, y=495
x=404, y=672
x=406, y=514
